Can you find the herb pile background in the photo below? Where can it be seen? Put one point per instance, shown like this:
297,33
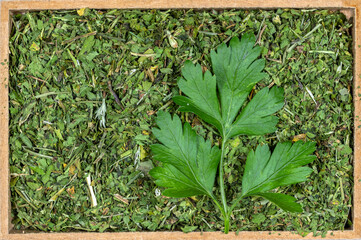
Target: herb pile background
61,64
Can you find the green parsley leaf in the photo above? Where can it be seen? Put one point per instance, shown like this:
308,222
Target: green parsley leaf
236,73
287,203
201,90
255,118
264,172
189,162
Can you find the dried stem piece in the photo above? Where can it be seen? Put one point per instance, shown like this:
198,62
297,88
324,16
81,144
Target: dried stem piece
115,95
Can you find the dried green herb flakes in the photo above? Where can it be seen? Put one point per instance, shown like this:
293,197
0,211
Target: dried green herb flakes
64,63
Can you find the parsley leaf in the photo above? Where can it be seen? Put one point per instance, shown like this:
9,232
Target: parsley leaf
236,73
286,202
255,118
264,172
201,90
190,163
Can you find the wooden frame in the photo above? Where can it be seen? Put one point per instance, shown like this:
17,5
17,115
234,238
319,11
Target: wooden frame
351,8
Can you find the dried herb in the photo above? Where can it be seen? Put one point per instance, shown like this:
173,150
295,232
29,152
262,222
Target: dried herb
56,139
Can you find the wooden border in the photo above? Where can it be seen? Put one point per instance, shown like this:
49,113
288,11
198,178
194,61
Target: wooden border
6,7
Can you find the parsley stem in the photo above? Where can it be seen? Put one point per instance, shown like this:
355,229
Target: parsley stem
235,203
221,185
217,204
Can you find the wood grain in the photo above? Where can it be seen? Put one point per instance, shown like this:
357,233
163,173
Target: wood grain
4,123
